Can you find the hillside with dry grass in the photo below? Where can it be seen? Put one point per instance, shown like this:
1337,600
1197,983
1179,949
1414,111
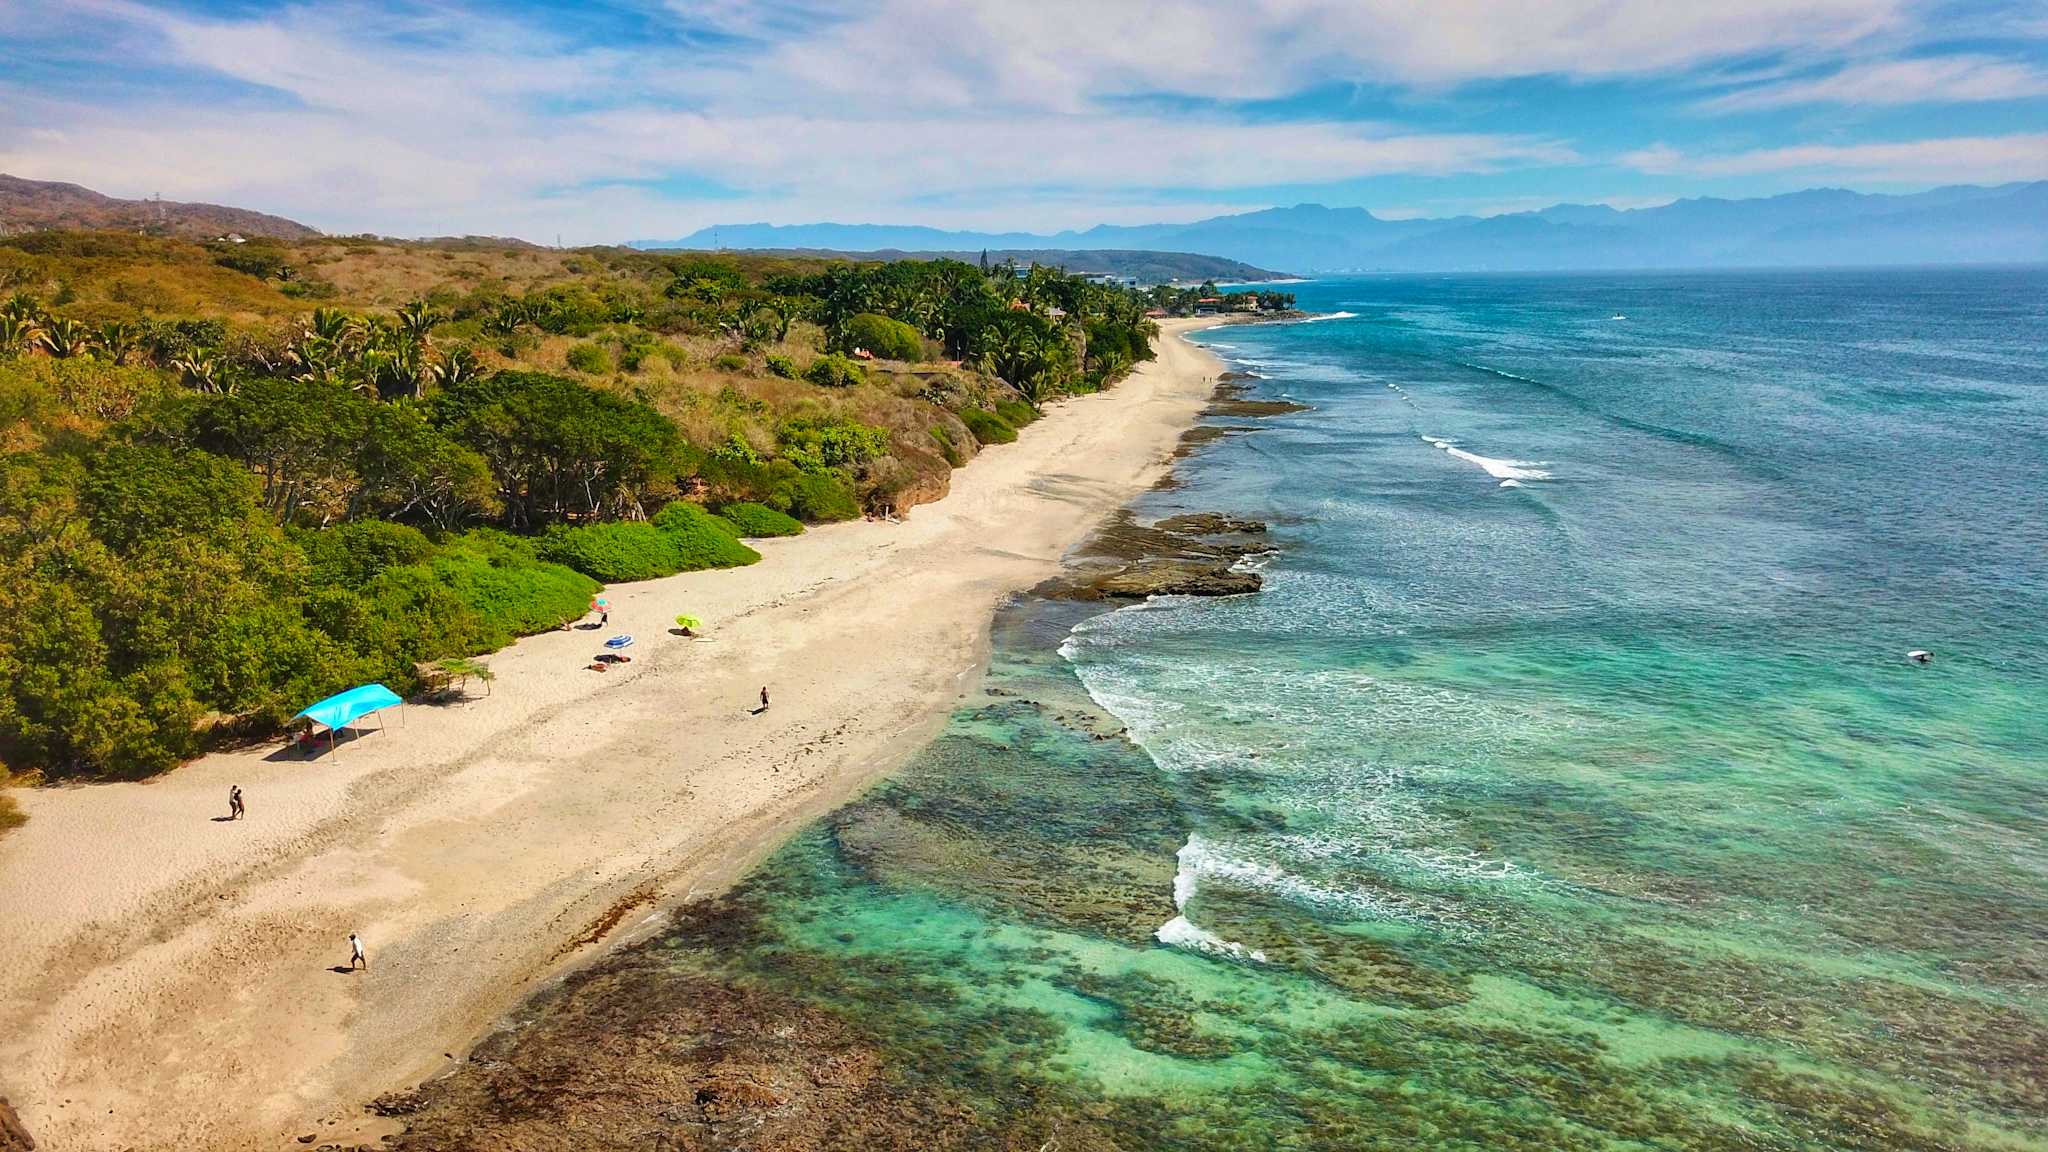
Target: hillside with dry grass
43,205
238,476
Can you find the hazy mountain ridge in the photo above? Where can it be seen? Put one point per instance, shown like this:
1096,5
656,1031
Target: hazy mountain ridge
1145,264
1955,224
43,205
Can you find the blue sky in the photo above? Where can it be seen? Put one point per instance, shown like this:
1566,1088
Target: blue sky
609,121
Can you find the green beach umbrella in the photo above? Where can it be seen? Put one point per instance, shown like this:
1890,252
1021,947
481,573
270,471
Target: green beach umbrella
688,622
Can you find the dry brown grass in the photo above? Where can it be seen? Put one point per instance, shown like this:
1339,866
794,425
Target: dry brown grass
386,275
100,277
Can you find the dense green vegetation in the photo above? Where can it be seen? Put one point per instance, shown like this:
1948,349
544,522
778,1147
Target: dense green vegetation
754,521
988,428
1172,300
219,503
889,339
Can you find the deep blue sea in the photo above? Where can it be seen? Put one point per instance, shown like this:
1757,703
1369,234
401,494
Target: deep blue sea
1567,786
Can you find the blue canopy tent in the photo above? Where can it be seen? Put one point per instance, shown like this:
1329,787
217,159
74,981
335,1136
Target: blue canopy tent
344,708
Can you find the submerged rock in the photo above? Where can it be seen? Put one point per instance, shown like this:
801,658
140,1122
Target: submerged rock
1168,578
1193,554
1211,524
1253,409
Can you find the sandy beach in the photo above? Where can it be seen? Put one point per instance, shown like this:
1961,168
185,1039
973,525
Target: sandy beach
175,980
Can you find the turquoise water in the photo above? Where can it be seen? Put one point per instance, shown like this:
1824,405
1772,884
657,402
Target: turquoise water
1566,787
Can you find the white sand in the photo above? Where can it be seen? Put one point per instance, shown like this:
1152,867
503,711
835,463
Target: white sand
164,978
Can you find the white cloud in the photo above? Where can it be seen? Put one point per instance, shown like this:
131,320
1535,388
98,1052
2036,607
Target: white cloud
358,115
443,125
1930,80
1065,55
1955,159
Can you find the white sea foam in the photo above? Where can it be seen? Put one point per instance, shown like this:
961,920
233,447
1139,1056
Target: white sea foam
1329,316
1181,933
1185,933
1511,483
1503,470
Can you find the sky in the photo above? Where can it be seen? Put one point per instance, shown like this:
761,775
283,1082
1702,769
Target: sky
599,122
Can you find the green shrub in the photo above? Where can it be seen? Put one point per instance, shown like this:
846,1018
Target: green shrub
1016,413
350,555
758,520
512,593
886,338
835,371
136,494
817,498
730,362
10,816
988,427
613,553
94,389
592,358
816,442
783,366
700,539
946,446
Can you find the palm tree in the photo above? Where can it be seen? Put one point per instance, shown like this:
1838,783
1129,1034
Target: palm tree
417,321
18,334
119,340
65,339
509,317
22,306
456,366
333,325
201,370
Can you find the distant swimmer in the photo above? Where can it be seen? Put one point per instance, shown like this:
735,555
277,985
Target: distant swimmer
1920,656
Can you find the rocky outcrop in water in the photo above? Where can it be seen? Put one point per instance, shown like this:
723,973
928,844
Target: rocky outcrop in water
636,1052
1195,554
1229,400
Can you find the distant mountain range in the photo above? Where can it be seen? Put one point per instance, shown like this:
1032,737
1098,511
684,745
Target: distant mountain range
1962,224
41,205
1150,267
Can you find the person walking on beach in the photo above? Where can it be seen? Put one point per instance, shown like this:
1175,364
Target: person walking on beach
764,698
235,809
355,953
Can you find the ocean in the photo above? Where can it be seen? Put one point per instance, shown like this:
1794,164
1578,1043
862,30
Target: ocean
1567,786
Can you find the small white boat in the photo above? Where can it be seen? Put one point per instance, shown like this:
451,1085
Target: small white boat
1617,316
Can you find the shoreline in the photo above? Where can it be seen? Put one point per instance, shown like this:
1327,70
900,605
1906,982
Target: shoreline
170,980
